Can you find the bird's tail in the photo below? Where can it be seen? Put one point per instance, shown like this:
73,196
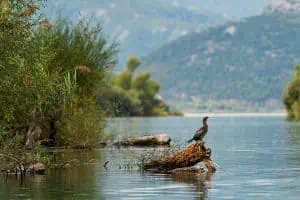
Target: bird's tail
191,140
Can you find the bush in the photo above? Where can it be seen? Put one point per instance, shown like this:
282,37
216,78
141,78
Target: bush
135,95
50,74
81,124
291,96
177,113
117,102
124,80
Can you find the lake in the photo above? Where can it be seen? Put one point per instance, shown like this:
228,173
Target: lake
258,157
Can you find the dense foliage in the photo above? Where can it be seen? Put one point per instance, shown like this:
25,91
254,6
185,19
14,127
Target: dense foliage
56,81
133,94
248,61
50,74
291,96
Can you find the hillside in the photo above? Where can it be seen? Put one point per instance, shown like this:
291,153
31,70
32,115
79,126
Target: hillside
283,6
140,27
250,61
231,9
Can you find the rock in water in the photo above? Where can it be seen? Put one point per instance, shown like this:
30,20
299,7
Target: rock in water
38,168
147,140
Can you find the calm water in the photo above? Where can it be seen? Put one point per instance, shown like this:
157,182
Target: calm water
258,158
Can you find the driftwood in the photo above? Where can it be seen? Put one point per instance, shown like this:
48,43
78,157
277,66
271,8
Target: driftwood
189,157
147,140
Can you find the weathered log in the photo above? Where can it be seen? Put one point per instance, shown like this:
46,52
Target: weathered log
192,155
146,140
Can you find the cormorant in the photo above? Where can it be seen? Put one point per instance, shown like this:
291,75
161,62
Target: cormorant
200,133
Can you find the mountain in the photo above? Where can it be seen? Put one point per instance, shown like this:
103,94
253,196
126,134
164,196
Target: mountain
140,27
231,9
250,60
283,6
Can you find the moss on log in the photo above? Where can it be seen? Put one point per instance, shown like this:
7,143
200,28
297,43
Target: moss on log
190,156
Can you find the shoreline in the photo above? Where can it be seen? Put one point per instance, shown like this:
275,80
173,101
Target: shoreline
253,114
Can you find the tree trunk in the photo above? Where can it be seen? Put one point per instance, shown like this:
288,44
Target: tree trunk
33,135
53,130
190,156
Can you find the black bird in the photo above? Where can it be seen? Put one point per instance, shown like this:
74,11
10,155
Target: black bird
200,133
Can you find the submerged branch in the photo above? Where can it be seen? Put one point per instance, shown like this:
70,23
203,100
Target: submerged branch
19,163
12,158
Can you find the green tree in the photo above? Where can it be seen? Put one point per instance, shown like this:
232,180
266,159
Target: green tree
136,94
133,63
83,51
16,21
291,96
123,80
50,74
140,81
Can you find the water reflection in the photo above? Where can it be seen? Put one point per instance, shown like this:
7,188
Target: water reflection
294,132
294,143
74,182
259,157
200,183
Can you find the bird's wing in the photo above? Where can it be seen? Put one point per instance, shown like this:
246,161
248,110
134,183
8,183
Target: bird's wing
199,132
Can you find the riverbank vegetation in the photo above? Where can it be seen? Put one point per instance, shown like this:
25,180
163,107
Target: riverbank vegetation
291,96
57,83
50,73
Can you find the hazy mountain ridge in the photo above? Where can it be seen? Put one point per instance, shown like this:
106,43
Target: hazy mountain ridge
139,26
283,6
250,60
230,9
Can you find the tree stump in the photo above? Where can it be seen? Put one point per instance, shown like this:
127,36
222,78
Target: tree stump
190,156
